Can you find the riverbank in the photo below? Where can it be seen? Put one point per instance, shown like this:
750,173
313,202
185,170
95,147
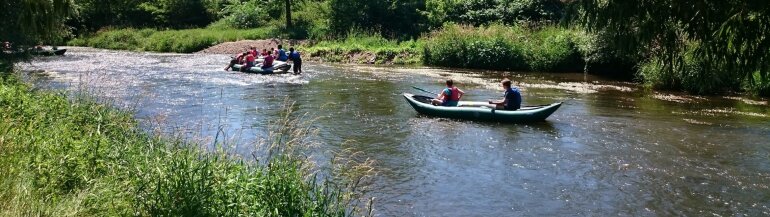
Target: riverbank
496,47
76,157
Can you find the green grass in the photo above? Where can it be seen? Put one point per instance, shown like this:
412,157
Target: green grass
379,49
179,41
61,157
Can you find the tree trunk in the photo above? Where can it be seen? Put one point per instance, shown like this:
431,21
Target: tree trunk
288,14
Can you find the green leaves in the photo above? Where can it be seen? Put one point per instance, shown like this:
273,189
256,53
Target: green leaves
730,36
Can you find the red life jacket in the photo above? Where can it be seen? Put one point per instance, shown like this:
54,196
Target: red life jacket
250,58
254,53
455,94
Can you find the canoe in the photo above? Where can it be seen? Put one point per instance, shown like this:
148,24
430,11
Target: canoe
58,52
481,111
279,67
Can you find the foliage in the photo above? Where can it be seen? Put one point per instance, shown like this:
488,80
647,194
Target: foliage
80,158
729,38
26,23
484,12
181,41
391,18
366,48
503,48
248,14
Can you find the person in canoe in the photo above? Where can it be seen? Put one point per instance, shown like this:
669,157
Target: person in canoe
296,59
450,96
264,53
281,55
238,59
249,61
511,98
253,51
268,63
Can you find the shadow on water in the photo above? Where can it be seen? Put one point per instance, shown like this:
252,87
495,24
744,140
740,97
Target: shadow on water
612,149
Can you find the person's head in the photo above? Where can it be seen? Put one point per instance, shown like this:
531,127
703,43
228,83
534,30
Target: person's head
264,50
291,49
280,46
450,83
252,48
269,52
506,83
245,53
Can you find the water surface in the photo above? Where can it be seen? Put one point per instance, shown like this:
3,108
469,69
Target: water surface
613,148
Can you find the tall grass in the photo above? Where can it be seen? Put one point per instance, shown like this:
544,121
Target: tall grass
61,157
373,47
180,41
504,48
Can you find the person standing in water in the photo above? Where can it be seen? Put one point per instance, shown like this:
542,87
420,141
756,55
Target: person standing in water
511,98
296,59
450,96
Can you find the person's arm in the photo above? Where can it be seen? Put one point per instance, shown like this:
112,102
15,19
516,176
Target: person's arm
462,93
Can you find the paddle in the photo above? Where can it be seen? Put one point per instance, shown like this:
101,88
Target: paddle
423,90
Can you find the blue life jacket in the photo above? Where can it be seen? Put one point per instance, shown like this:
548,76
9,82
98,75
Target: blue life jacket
295,56
282,55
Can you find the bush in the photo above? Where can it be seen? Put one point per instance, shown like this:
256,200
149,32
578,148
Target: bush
685,71
244,15
503,48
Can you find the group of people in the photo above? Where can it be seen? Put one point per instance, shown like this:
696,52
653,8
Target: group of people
249,58
451,96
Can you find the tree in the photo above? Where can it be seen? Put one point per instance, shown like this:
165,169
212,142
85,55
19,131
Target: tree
26,23
700,45
392,18
288,14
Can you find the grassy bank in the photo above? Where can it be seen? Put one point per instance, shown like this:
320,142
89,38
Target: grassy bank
361,48
61,157
179,41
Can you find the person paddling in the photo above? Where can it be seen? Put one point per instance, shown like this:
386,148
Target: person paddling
511,98
296,59
450,96
238,59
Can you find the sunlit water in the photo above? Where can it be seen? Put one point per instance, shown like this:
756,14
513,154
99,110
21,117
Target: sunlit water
613,148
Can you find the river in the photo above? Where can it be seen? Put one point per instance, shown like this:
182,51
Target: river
613,148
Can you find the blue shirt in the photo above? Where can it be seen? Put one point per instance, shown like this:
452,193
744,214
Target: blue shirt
512,99
282,55
294,56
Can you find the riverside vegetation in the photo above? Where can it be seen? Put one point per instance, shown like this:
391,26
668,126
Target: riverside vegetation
675,49
76,157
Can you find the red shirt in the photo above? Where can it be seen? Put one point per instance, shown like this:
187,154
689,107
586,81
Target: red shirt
268,62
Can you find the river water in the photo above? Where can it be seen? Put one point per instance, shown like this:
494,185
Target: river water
613,148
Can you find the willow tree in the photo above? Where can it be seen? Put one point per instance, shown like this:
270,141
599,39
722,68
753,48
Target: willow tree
701,45
26,23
